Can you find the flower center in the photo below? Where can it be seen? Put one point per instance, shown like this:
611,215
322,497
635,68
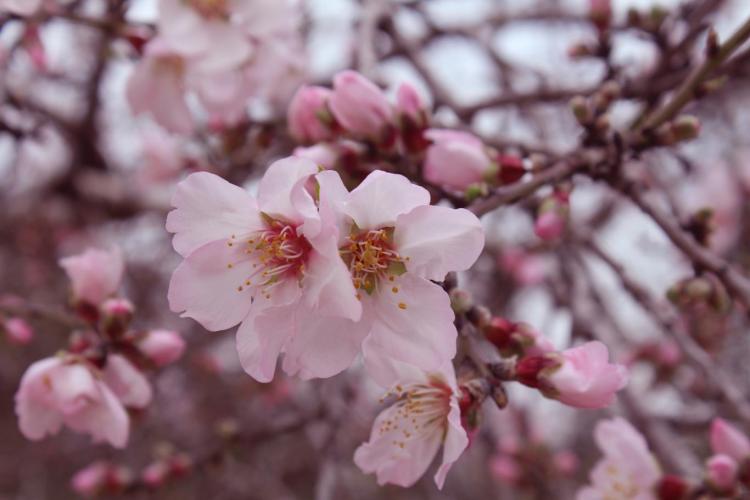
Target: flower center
277,253
621,485
210,8
371,258
421,409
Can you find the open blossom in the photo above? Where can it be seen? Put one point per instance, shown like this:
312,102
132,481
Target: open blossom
727,440
308,115
271,264
627,469
162,347
63,391
407,435
95,274
581,376
360,106
455,159
394,243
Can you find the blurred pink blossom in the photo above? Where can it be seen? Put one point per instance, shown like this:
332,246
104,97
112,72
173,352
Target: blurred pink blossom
728,440
95,274
21,7
162,347
59,390
721,472
505,468
89,481
18,331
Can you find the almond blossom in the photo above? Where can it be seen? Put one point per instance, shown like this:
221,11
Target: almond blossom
65,391
627,470
408,434
270,264
394,242
361,107
456,159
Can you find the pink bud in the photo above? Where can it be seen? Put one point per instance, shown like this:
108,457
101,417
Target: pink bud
18,331
94,274
721,472
308,115
32,42
584,377
163,347
566,462
90,480
360,106
409,103
116,315
455,159
505,468
155,474
727,440
549,226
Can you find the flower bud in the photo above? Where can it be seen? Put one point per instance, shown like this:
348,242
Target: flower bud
685,128
91,480
477,190
155,474
324,155
721,473
18,331
308,116
549,226
360,107
727,440
455,160
116,315
672,487
410,106
506,469
461,300
581,110
511,169
162,347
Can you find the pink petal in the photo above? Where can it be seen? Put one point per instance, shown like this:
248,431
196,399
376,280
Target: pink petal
105,421
261,338
455,442
382,197
438,240
275,189
728,440
208,208
127,382
208,286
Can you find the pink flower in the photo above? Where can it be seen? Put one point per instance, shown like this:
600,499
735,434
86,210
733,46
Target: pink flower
21,7
90,480
162,158
721,471
727,440
308,115
163,347
95,274
627,465
271,264
581,376
18,331
360,106
157,87
203,31
549,226
130,386
61,390
394,243
455,159
407,435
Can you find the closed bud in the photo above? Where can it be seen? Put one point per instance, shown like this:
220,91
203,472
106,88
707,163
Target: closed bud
461,301
18,331
686,127
499,396
672,487
162,347
712,43
116,315
529,369
511,169
721,473
580,108
155,474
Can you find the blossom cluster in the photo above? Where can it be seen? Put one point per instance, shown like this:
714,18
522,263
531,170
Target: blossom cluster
89,386
220,55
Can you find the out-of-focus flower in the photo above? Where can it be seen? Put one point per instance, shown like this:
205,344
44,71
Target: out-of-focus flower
407,435
721,472
549,226
566,462
272,265
162,158
157,87
91,480
360,106
21,7
395,243
18,331
525,267
155,474
727,440
95,274
60,390
505,468
627,469
581,376
456,159
308,116
162,347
